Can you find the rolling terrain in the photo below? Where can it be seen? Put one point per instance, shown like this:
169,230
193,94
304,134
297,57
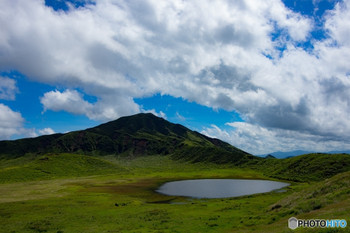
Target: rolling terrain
103,179
308,167
137,135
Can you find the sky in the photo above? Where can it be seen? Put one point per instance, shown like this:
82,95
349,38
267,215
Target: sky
264,76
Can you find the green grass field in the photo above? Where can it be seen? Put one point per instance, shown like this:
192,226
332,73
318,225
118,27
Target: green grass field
76,193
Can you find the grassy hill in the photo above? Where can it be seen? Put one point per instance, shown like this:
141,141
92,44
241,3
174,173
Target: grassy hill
133,136
309,167
103,179
53,166
145,134
318,195
111,194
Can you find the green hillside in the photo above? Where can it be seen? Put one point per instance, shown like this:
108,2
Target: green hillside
133,136
145,134
309,167
321,194
53,166
75,193
103,179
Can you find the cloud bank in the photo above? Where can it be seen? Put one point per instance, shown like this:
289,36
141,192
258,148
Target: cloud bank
8,88
244,56
10,122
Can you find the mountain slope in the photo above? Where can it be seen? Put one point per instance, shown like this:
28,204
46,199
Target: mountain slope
53,166
283,155
306,168
288,154
316,196
137,135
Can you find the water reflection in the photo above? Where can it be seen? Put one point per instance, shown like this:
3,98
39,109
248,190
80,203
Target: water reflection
218,188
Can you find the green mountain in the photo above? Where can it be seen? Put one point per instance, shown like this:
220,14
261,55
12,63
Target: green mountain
145,134
67,184
132,136
308,167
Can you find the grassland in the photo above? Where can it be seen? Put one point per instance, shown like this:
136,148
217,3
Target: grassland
76,193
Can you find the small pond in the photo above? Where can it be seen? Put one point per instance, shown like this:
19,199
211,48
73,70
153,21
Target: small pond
218,188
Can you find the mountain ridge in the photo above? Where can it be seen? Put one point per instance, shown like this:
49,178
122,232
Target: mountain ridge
137,135
294,153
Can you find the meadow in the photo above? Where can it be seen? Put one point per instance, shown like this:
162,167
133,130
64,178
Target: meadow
78,193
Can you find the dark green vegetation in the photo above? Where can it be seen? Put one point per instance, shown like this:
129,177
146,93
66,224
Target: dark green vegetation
138,135
107,180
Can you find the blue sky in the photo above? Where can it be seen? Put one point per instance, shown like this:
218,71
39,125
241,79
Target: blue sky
187,113
263,76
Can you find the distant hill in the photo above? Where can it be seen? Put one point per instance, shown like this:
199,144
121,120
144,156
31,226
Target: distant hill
138,135
308,167
288,154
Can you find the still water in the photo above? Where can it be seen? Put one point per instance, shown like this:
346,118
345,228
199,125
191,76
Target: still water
218,188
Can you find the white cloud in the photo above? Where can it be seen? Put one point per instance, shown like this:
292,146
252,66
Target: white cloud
259,140
72,101
154,112
11,123
131,48
69,100
337,23
8,88
219,54
46,131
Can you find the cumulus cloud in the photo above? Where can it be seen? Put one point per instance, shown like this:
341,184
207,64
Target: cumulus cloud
154,112
73,102
234,55
260,140
46,131
8,88
11,123
69,100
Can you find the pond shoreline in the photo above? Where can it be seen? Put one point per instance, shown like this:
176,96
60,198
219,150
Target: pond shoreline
219,188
